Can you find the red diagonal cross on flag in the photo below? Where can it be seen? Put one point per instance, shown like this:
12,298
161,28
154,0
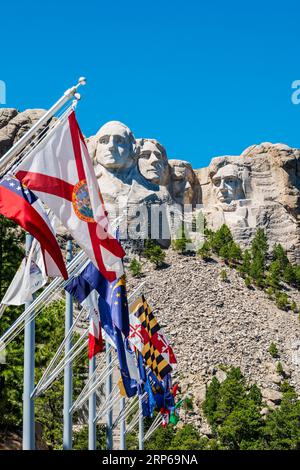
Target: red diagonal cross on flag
60,172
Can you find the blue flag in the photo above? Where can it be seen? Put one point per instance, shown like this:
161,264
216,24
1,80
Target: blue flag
114,315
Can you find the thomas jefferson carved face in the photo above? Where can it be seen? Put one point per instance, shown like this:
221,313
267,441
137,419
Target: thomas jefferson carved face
228,185
153,162
115,146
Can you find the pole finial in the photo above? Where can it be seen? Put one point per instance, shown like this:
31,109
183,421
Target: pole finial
82,80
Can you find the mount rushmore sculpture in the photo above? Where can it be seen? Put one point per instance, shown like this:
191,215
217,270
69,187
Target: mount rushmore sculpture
259,188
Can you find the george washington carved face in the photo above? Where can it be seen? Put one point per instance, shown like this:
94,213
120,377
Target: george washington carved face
115,146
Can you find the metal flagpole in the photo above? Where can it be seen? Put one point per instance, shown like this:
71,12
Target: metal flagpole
109,418
141,425
92,408
29,363
68,382
8,156
122,425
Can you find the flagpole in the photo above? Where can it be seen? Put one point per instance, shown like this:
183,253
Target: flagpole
29,363
109,417
122,425
13,151
141,425
68,382
92,408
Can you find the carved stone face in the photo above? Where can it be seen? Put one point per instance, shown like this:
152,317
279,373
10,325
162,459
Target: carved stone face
115,146
182,181
227,184
153,162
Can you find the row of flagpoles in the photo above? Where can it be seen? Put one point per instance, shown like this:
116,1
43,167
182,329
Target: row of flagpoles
57,170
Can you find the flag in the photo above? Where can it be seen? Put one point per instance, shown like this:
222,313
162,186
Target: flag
29,278
148,402
144,335
87,296
113,309
19,204
60,172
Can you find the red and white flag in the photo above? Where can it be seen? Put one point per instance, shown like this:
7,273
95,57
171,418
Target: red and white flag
60,172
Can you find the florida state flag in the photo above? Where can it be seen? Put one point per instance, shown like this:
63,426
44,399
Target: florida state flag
60,172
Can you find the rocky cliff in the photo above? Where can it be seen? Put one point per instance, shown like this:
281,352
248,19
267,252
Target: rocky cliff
258,189
213,323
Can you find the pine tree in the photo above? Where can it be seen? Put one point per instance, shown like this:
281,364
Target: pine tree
154,253
221,238
274,274
135,268
244,268
181,242
259,251
204,251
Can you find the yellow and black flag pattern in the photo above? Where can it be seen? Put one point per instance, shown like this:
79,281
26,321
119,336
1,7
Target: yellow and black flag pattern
150,327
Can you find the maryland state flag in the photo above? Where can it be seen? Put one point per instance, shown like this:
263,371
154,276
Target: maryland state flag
147,337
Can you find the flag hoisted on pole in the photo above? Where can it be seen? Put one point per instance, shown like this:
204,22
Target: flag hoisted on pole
23,207
60,172
29,217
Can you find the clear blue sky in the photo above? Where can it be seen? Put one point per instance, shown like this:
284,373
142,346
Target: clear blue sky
205,78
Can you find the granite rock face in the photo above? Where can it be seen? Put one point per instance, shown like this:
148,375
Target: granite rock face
258,189
214,324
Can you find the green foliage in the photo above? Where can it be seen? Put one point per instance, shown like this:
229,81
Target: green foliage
279,369
273,350
181,241
259,251
11,374
274,274
282,429
244,268
187,438
293,306
12,240
233,411
135,268
279,254
187,404
49,410
221,239
204,251
282,300
270,292
211,401
223,275
289,275
247,282
80,438
154,253
161,439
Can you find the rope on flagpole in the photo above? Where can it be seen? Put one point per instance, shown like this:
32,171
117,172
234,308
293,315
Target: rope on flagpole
59,350
157,422
97,383
90,379
70,357
74,268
